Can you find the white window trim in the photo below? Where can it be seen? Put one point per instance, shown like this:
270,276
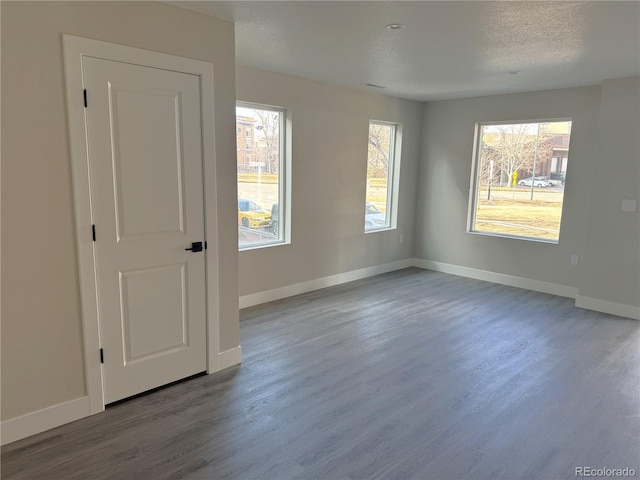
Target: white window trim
284,184
473,184
393,181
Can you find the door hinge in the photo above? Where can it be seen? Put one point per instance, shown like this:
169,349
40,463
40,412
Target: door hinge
205,244
93,232
84,92
101,355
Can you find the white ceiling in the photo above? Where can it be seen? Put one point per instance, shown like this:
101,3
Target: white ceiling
448,49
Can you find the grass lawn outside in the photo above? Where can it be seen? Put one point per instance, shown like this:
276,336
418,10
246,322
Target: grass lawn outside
379,199
248,185
253,178
524,218
377,193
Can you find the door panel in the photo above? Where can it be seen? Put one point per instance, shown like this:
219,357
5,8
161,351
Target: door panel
139,156
164,316
145,163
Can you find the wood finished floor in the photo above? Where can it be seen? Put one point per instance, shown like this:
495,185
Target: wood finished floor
412,374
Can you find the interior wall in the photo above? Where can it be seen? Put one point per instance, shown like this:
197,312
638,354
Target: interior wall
610,269
444,184
329,154
42,354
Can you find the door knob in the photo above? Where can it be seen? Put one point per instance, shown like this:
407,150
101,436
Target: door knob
195,247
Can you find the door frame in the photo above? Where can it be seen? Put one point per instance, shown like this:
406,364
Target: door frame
75,48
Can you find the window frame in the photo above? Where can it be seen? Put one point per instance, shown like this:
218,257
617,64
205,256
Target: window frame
474,184
395,148
284,177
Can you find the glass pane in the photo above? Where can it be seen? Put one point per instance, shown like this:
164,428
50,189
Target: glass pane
259,143
379,168
521,171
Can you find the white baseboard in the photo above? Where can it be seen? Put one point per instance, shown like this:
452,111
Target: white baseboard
487,276
318,283
604,306
621,310
41,420
588,303
230,357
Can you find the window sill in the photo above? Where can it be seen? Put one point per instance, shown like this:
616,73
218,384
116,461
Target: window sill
376,230
261,245
514,237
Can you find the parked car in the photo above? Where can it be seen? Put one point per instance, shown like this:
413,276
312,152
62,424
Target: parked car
553,182
252,215
275,219
373,218
537,182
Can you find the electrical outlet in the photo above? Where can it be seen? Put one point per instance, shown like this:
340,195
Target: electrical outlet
574,259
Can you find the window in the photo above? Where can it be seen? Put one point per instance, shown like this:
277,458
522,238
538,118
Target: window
518,179
380,176
261,176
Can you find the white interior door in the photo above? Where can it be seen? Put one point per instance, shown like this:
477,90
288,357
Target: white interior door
145,163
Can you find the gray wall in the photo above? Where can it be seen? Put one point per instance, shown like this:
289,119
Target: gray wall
603,169
610,269
42,353
329,154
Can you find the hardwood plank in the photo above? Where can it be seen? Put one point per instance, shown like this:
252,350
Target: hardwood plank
411,374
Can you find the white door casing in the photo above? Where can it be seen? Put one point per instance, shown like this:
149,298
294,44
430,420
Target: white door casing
132,235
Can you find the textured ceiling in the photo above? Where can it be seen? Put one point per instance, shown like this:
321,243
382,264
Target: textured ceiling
447,50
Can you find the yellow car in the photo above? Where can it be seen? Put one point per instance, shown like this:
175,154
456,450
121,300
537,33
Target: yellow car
252,215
